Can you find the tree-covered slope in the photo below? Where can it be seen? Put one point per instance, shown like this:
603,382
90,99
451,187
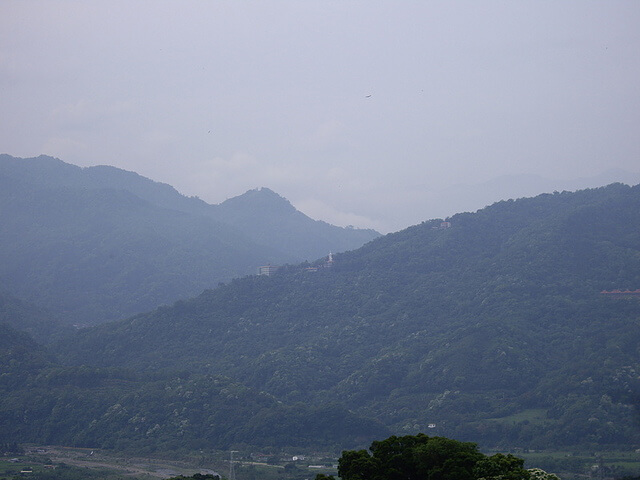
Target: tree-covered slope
44,402
492,330
23,316
20,356
99,243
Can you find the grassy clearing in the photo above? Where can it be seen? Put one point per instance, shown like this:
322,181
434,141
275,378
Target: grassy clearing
33,468
577,465
9,469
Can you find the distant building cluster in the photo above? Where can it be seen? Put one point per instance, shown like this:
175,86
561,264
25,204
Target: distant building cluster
621,293
442,226
269,270
328,263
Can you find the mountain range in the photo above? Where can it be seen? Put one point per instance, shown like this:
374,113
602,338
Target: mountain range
489,327
99,243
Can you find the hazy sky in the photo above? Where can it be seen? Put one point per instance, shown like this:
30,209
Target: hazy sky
358,112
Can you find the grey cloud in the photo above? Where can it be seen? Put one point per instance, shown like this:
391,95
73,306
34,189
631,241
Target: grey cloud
460,93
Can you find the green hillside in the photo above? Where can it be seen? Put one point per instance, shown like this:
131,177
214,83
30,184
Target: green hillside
491,330
44,402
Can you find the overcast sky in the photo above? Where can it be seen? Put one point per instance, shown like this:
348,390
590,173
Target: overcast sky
371,113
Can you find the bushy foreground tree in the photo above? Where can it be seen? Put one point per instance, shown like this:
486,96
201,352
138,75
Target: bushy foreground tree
420,457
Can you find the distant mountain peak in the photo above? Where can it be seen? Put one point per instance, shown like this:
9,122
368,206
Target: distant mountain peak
265,190
260,198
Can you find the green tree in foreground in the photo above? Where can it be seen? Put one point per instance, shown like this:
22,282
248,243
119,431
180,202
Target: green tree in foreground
419,457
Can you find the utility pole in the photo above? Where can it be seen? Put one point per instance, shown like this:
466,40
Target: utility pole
232,471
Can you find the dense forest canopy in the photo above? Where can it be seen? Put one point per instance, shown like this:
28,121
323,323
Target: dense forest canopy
489,327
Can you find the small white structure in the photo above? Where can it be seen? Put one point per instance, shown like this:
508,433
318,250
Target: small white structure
267,270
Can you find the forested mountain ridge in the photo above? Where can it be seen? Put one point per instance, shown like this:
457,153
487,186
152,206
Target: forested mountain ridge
100,243
489,328
44,402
